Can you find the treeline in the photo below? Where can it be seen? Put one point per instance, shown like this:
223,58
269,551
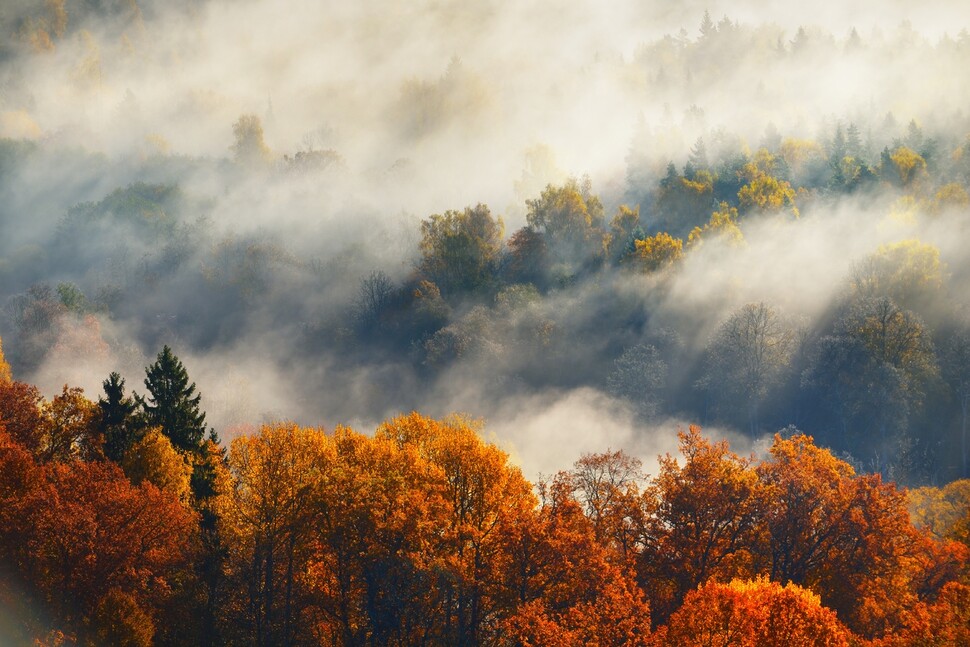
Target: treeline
577,297
122,524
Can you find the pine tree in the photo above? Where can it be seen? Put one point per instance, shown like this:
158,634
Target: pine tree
118,426
173,403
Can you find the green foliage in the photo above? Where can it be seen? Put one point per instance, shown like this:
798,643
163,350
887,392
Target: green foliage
460,249
172,403
118,426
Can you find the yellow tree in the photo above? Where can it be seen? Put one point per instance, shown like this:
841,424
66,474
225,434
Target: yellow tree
5,373
658,252
487,497
154,459
268,516
68,427
723,227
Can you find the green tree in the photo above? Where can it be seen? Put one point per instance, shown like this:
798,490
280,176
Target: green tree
459,249
173,403
118,426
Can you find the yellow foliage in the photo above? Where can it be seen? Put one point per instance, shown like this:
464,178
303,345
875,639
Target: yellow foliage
942,511
767,193
722,226
5,375
950,196
903,271
658,251
155,459
908,165
798,152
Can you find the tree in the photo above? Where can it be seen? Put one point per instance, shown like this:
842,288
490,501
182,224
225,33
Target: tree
748,355
248,148
874,372
460,249
704,522
609,489
955,369
69,427
5,373
658,252
172,403
374,296
487,497
118,426
755,613
269,516
640,376
624,230
570,218
903,167
908,272
154,459
723,227
20,414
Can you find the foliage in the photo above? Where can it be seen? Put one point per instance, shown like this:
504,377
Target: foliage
755,613
172,403
460,249
657,252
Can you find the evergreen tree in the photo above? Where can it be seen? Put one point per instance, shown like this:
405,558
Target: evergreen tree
173,403
118,425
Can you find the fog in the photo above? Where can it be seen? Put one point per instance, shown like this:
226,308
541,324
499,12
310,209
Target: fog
251,268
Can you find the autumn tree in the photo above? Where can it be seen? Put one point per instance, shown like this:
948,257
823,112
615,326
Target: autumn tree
903,167
755,613
722,227
5,373
704,521
764,191
566,585
909,272
460,249
68,427
487,497
155,460
624,232
657,252
684,202
20,414
87,537
269,517
570,219
609,486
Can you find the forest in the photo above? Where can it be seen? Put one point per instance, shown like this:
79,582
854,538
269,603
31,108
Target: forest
507,325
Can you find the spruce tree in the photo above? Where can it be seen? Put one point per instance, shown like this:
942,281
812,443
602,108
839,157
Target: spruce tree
172,403
118,426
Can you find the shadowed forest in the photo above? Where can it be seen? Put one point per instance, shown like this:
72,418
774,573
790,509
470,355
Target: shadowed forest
679,293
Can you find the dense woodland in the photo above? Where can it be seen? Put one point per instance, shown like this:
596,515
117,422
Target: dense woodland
122,522
741,231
